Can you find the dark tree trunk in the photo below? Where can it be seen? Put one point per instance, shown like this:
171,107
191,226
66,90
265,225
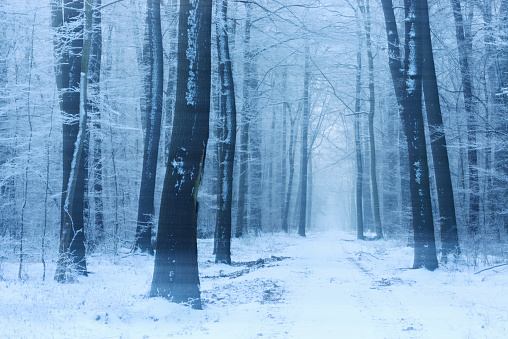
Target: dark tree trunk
395,64
501,154
169,103
153,61
176,264
305,145
394,57
446,202
227,140
423,225
471,112
95,113
72,237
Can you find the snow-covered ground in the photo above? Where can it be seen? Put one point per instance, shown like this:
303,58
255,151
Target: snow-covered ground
327,285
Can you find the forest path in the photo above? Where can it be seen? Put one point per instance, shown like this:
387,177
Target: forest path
337,287
323,290
333,294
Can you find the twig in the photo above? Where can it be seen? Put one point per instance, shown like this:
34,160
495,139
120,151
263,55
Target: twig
489,268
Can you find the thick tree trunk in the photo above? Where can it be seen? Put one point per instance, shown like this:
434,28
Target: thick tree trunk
153,60
227,140
423,225
176,266
72,238
446,202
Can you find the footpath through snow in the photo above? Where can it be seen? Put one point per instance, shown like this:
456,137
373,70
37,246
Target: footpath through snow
327,285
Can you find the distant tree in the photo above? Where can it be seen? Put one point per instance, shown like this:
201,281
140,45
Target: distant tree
305,145
175,274
153,92
365,8
227,139
358,142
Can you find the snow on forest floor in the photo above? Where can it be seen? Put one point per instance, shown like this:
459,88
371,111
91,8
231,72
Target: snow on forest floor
327,285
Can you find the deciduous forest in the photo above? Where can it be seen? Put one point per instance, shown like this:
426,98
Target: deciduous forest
247,168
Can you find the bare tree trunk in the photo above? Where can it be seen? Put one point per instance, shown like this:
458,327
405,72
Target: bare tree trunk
243,187
227,140
72,238
153,60
175,274
305,146
471,112
358,143
372,141
446,201
423,225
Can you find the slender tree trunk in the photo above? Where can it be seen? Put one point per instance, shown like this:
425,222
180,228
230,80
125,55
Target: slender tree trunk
243,187
446,202
227,139
153,60
305,145
291,151
358,143
283,164
176,266
501,154
172,13
471,112
95,113
372,141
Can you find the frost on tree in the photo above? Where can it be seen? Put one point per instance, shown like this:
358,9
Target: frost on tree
153,84
176,268
68,48
423,224
227,140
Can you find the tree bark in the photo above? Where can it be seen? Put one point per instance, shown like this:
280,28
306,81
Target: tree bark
471,112
72,239
153,60
243,187
446,201
358,143
372,141
305,145
423,225
176,266
227,140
